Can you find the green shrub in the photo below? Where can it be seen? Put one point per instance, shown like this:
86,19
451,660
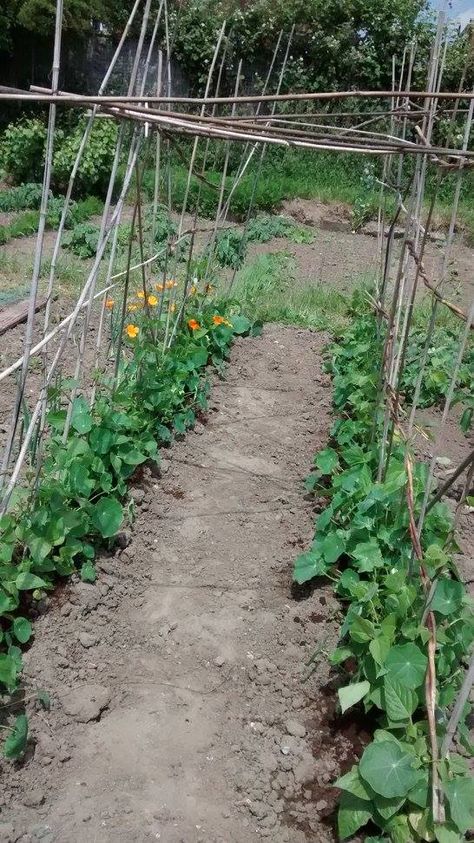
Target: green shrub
230,248
77,213
264,228
24,224
22,150
96,162
85,208
164,225
22,197
83,240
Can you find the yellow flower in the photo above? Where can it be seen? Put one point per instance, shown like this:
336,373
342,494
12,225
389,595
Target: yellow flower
109,303
193,325
152,301
193,290
172,307
132,307
132,331
140,294
159,287
170,284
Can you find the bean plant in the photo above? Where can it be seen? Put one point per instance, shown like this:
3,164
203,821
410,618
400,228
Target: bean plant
362,544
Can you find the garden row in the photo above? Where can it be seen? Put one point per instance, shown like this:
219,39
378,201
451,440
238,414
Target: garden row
81,502
25,223
363,545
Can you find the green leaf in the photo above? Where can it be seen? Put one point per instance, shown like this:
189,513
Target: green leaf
347,581
107,516
22,630
379,649
199,357
399,830
339,655
388,769
8,671
352,694
333,546
444,834
240,324
419,794
324,519
26,581
400,702
422,823
460,795
307,566
88,572
39,548
353,814
44,698
448,597
388,807
327,461
362,630
407,664
81,419
352,783
163,433
7,603
101,439
367,556
15,744
79,479
133,457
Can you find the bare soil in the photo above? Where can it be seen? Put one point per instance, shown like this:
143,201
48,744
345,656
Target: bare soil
337,256
178,707
179,710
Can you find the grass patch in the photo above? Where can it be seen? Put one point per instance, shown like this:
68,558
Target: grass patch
326,177
266,288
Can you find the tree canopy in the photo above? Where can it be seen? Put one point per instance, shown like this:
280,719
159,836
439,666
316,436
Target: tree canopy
336,43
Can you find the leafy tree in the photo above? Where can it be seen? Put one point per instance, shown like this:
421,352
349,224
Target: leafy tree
7,20
39,15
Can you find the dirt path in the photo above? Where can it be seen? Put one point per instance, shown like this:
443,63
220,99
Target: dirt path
178,712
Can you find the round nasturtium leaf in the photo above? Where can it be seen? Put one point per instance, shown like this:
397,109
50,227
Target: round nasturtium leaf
407,664
447,597
388,769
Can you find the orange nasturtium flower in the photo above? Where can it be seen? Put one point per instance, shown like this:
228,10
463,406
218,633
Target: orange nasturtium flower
132,331
193,325
219,320
159,287
152,301
140,294
170,284
109,303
